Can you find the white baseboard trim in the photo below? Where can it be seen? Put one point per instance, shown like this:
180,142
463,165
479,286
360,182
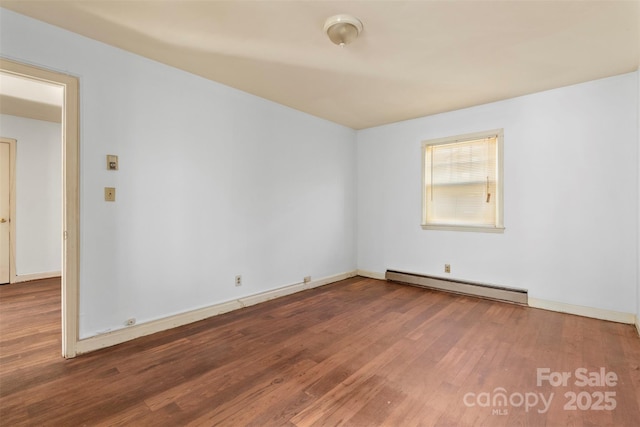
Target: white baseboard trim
36,276
371,274
129,333
638,325
596,313
291,289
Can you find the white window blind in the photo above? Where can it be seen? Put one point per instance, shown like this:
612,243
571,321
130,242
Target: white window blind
461,183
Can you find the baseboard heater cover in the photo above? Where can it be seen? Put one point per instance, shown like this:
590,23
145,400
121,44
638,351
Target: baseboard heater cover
501,293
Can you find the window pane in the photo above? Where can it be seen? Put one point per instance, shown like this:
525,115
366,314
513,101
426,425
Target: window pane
461,183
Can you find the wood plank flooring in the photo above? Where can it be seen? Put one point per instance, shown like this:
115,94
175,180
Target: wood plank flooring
360,352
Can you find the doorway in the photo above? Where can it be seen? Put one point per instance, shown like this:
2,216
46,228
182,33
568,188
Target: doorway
70,193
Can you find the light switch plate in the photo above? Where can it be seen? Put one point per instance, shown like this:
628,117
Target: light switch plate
109,194
112,162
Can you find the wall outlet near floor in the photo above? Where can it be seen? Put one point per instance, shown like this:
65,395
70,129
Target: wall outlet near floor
307,279
447,268
130,322
238,280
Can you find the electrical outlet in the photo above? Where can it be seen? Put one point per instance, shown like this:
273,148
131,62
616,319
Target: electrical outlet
238,280
109,194
447,268
307,279
130,322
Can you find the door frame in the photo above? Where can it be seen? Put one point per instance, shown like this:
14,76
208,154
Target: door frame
12,207
70,194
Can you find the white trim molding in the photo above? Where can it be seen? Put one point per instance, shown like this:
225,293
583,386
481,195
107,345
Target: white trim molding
595,313
132,332
371,274
36,276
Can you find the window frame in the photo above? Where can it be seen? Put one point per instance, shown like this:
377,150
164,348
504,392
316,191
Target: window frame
498,226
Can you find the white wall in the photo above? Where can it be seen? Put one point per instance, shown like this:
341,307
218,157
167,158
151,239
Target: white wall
571,197
38,193
213,182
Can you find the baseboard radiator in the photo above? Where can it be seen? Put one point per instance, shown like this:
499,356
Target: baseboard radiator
500,293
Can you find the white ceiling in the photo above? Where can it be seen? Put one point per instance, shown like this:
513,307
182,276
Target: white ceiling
31,90
30,98
414,58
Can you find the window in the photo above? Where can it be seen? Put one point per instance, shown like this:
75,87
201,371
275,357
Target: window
462,182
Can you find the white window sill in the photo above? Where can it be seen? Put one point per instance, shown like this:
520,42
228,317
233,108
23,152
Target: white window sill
451,227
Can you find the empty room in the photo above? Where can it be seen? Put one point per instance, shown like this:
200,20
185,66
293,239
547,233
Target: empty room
319,213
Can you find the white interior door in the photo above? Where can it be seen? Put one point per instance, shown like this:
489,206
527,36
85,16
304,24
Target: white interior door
5,187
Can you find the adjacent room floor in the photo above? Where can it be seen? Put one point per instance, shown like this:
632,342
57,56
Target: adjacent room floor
359,352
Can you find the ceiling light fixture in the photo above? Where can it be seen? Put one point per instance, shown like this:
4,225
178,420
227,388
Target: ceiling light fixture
342,29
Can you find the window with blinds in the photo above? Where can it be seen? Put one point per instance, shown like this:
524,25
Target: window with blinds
462,185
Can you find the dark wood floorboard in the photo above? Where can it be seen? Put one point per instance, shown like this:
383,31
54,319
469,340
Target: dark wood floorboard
360,352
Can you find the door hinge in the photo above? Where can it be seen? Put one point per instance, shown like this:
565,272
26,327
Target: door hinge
66,235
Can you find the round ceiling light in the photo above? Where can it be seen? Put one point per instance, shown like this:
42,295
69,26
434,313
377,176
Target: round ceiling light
342,29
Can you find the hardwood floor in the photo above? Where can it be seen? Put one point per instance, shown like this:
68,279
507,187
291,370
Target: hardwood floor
360,352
